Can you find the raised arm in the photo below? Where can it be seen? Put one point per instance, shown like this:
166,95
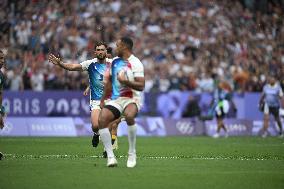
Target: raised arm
67,66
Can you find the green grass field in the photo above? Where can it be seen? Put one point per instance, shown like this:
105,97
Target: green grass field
169,162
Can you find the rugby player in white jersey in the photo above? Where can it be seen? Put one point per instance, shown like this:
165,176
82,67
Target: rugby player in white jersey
123,99
270,103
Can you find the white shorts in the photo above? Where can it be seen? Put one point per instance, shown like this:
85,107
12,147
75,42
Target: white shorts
95,105
138,102
271,110
225,105
266,109
122,102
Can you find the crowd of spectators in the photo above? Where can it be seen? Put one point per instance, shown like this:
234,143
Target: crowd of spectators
183,44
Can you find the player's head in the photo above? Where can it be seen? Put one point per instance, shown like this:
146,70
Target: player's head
109,52
271,78
2,59
124,44
224,85
101,50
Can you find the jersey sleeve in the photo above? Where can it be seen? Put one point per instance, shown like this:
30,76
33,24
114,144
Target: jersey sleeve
138,68
85,64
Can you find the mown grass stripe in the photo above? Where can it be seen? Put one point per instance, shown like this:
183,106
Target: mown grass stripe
75,156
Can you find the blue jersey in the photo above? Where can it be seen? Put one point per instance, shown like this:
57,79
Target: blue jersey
97,72
119,90
272,95
221,94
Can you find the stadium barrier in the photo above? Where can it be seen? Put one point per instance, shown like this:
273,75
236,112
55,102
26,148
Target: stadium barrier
167,105
146,126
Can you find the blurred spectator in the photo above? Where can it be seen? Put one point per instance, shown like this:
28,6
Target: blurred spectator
37,80
184,45
205,83
192,108
16,81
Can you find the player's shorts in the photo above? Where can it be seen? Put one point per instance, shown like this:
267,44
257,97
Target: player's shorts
138,102
122,102
222,108
95,104
271,110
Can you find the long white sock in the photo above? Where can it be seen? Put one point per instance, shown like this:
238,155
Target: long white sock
106,139
132,138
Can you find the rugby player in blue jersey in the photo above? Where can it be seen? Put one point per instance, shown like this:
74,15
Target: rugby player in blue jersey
97,70
113,127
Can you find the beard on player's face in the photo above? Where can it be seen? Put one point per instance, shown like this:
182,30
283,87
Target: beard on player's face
101,56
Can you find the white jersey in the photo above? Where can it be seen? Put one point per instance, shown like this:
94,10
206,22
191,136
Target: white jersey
123,95
273,93
138,71
87,63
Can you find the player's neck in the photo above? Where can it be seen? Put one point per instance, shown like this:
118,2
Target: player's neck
101,61
126,55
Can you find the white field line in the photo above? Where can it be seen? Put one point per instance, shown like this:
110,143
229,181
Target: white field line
69,156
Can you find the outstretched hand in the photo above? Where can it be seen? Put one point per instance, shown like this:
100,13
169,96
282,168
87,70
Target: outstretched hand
86,92
53,59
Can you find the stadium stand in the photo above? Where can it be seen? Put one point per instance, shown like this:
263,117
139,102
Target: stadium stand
184,45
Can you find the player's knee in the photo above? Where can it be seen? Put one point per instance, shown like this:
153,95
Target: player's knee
95,123
95,126
130,119
95,129
129,115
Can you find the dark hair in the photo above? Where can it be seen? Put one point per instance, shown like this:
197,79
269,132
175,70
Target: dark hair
109,50
99,43
127,42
